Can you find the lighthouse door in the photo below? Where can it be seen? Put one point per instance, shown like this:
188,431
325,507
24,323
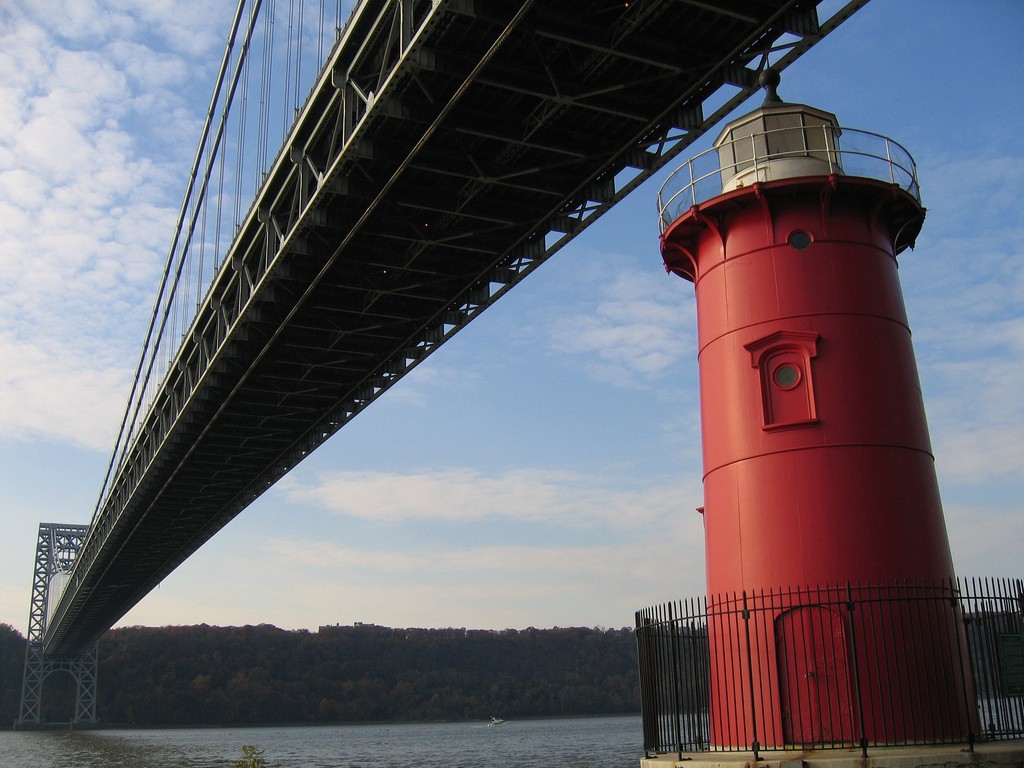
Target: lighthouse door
814,688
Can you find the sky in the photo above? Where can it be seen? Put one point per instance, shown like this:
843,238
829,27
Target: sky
542,468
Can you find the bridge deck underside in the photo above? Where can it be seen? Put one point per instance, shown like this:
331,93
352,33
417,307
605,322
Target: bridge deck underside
506,122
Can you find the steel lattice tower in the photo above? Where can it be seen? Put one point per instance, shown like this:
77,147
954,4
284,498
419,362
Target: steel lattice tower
56,549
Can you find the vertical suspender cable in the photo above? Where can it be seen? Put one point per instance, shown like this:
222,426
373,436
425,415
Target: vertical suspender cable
287,70
135,398
265,86
202,260
241,115
221,172
174,246
320,37
216,145
298,60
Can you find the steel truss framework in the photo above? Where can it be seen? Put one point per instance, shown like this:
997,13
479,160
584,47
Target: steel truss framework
447,149
56,550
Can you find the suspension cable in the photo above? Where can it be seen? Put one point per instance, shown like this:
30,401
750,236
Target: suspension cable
174,245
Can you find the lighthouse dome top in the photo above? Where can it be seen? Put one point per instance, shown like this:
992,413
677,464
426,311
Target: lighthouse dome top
776,141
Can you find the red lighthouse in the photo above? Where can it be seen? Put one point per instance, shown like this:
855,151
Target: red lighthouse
818,471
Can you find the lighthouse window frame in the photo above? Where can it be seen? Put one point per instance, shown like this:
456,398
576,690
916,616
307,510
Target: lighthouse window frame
782,362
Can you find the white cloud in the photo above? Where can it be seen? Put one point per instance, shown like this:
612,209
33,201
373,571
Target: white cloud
986,539
488,564
88,198
310,582
52,390
521,495
301,579
965,288
978,420
641,325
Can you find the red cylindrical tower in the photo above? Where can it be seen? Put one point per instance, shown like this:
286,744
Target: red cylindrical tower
818,468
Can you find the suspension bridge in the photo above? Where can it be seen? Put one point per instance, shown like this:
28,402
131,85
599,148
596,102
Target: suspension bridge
427,156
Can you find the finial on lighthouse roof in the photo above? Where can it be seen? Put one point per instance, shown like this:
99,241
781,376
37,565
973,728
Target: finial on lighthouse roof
769,79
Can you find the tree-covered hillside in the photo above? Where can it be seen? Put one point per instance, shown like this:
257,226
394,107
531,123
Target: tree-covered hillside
262,674
12,662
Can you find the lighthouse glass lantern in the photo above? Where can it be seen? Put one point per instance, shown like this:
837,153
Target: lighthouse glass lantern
776,141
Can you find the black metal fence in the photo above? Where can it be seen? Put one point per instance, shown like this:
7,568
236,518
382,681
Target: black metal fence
902,663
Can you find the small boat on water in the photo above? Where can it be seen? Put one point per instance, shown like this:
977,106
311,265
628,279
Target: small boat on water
495,721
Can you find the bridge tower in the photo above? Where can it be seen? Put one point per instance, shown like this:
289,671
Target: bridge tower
56,549
818,470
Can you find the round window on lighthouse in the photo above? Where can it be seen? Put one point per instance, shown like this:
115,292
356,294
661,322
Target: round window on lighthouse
786,376
800,239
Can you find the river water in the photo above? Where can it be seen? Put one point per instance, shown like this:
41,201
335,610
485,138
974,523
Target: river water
600,742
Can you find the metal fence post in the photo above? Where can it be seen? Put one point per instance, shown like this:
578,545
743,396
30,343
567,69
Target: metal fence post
754,746
961,629
858,698
673,637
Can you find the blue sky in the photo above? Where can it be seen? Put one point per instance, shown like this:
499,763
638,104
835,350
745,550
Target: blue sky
543,468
